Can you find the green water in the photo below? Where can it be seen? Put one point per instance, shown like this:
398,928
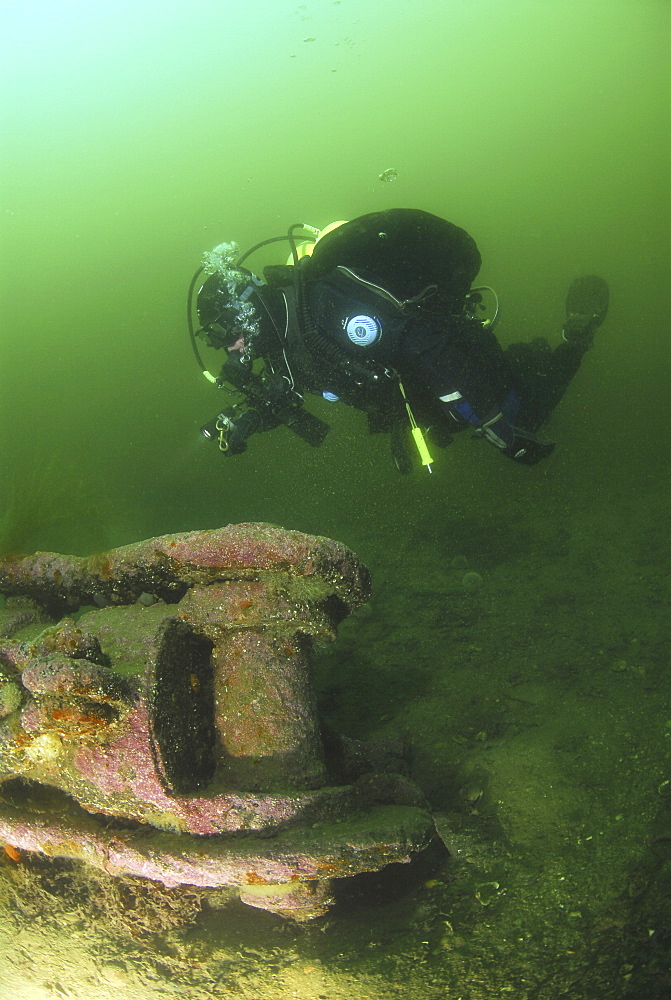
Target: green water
136,136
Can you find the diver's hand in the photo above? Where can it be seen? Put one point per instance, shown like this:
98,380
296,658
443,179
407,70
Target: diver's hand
527,449
514,442
245,425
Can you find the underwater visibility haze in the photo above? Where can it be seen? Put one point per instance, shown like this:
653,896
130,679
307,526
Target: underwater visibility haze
517,638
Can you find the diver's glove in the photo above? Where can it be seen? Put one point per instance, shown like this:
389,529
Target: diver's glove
527,449
520,445
245,425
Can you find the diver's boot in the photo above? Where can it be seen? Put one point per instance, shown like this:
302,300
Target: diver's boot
586,308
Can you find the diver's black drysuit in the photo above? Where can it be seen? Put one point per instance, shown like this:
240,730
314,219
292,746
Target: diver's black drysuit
383,300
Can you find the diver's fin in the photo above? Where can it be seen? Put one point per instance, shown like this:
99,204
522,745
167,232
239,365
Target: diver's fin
586,309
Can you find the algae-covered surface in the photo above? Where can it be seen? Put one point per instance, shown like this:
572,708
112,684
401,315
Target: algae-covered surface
536,710
517,637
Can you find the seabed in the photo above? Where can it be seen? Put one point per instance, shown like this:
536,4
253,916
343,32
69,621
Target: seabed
536,706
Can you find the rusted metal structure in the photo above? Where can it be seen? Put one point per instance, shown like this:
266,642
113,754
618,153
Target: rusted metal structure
164,690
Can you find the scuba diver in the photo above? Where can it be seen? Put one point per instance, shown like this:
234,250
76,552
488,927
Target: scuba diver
381,314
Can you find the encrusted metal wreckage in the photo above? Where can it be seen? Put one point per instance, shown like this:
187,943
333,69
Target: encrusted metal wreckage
158,718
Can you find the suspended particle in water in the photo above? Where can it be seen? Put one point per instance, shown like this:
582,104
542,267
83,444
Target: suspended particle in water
390,174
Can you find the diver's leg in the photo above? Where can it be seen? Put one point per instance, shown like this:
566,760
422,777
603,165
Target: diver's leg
562,365
541,376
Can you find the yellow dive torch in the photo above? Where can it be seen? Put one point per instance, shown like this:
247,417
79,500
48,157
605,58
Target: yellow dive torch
417,435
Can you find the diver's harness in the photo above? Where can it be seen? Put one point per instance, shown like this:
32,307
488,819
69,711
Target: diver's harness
269,398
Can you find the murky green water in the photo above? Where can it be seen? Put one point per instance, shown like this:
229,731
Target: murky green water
136,136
